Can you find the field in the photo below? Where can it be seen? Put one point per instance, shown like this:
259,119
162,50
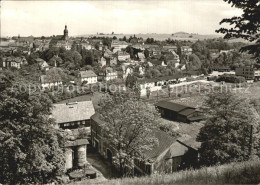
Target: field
234,173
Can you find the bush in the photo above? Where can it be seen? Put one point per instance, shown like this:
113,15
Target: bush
231,79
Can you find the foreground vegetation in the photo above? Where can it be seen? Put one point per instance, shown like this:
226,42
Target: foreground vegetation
233,173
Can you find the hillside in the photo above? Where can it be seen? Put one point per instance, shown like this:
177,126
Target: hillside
234,173
161,37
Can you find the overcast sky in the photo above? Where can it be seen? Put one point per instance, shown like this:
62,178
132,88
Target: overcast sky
47,18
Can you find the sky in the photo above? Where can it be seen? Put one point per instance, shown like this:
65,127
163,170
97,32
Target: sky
46,18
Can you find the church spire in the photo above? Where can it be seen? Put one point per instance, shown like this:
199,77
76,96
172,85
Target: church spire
66,33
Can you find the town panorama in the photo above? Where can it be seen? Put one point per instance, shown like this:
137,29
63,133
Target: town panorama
111,106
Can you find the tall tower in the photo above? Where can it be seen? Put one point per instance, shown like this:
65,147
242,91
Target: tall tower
66,33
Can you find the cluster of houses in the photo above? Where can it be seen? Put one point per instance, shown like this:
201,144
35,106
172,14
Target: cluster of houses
248,72
84,129
15,62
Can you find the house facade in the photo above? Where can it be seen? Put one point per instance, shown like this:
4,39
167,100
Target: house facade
43,65
88,77
247,71
73,115
110,74
178,112
118,45
15,62
48,83
168,156
74,118
123,56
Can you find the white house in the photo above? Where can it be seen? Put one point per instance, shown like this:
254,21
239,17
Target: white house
102,62
48,83
16,62
118,45
123,56
127,70
43,65
87,76
110,74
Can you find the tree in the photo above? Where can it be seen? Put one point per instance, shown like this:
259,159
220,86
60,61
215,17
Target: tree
30,147
130,50
225,135
148,92
114,38
55,75
128,127
246,26
146,53
130,81
194,62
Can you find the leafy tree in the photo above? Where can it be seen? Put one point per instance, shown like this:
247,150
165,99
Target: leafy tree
55,61
124,38
194,62
148,92
57,75
179,50
130,81
30,147
226,133
128,127
48,54
114,38
32,57
246,26
130,50
146,53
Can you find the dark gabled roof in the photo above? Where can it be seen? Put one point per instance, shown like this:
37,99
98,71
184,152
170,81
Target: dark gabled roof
87,74
96,118
187,111
197,118
172,106
164,143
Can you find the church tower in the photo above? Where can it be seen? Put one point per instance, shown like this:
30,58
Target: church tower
66,33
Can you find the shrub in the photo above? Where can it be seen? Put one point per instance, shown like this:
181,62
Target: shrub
230,79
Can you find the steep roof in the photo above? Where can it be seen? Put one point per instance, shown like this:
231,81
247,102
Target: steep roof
187,111
164,142
69,112
87,74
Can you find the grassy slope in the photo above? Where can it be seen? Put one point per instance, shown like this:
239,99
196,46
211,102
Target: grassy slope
234,173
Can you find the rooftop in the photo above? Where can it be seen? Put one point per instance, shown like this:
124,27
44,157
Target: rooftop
87,74
173,106
69,112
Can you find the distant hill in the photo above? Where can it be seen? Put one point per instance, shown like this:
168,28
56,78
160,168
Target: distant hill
183,33
175,36
161,37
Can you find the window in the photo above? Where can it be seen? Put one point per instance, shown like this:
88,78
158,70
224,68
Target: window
148,168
